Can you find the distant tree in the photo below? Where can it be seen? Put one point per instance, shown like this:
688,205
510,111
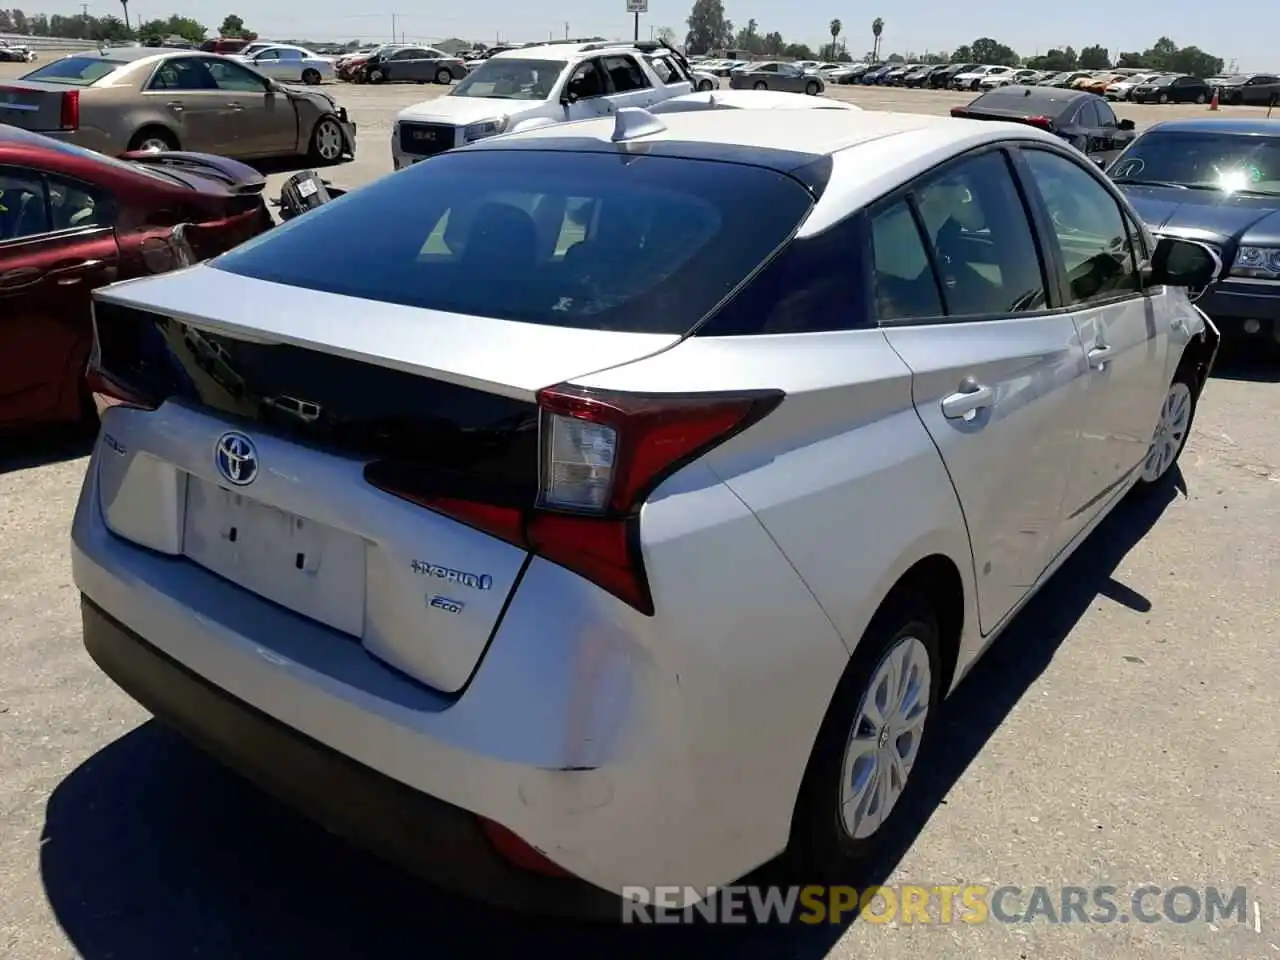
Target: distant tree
708,28
798,51
1131,60
232,26
877,28
1164,54
986,50
835,27
774,44
962,54
1056,60
1095,58
666,35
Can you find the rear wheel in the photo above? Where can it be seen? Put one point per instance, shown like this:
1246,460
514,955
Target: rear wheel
153,140
327,141
811,88
377,76
704,86
443,76
1163,98
869,741
1200,98
310,77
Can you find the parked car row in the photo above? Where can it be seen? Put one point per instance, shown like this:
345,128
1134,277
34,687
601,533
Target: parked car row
16,52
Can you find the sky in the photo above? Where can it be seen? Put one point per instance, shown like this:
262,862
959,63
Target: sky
1027,27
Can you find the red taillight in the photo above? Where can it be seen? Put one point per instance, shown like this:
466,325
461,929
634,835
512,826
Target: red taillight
519,853
70,119
958,112
601,455
1043,122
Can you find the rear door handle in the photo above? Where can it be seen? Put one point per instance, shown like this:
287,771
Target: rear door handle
73,273
1099,356
968,400
20,277
235,106
175,106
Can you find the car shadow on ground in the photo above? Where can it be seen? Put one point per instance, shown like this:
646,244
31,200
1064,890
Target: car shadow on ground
45,446
151,851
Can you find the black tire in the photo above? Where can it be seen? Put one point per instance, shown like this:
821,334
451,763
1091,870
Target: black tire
821,849
320,147
705,86
811,88
1163,98
311,77
1185,380
154,134
1200,98
377,76
760,85
444,77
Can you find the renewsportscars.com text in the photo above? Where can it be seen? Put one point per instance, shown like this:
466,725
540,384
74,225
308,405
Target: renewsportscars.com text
940,904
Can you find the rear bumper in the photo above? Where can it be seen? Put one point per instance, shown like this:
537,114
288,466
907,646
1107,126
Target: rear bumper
428,836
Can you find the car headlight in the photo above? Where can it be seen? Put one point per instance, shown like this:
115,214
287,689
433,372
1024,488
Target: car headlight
484,128
1262,263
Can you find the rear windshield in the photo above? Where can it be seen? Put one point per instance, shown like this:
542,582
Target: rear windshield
591,240
77,71
1024,100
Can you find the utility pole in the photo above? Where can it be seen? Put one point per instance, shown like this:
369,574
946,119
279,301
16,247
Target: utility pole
637,35
393,28
84,10
566,29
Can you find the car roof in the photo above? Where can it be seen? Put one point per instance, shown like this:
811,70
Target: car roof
1259,127
129,54
564,51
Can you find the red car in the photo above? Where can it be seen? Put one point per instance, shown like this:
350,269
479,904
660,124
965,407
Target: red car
72,220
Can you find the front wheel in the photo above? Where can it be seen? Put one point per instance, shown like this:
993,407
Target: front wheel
704,86
1200,98
377,76
1163,98
311,77
869,740
444,77
760,85
1172,429
811,88
327,141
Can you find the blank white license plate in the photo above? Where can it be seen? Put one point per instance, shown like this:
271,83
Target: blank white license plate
315,570
306,188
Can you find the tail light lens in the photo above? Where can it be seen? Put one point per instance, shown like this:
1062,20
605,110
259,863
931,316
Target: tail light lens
601,455
70,119
518,852
1043,122
958,112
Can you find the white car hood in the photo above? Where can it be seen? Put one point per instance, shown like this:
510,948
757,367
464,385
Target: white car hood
461,110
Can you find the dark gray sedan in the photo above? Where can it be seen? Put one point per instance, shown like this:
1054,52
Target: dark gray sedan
773,75
414,65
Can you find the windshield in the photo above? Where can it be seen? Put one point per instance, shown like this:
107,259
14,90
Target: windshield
1204,161
506,78
77,71
549,237
1235,81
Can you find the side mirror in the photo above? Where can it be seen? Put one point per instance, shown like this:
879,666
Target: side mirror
1126,125
1184,263
1099,162
568,98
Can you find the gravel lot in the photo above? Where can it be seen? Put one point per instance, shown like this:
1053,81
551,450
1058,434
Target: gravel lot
1123,732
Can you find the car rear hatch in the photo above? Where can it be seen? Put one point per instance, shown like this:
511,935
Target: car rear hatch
347,415
39,106
198,169
377,397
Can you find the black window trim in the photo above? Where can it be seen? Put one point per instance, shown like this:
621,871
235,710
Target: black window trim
609,77
1050,271
1127,218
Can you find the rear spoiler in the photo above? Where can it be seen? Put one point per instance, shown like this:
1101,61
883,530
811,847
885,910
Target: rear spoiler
241,178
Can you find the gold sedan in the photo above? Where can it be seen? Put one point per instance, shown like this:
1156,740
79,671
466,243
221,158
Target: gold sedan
140,98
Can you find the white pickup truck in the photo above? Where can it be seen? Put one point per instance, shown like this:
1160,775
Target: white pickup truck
534,86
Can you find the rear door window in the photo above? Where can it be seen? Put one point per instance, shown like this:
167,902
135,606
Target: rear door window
903,281
625,74
24,204
557,238
977,229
